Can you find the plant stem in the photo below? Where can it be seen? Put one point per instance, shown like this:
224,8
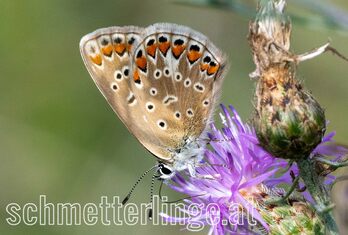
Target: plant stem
319,193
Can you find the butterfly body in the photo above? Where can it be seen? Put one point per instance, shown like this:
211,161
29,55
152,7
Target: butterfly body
162,81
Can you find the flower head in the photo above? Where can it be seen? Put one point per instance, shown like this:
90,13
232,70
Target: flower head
237,177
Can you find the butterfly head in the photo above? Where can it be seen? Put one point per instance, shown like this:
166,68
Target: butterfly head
165,171
185,157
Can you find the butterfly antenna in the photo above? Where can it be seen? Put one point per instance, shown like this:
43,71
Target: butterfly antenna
160,191
125,200
151,195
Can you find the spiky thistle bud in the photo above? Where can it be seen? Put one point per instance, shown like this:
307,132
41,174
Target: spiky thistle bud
289,122
293,216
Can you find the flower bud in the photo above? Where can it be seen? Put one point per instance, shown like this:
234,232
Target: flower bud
289,122
294,216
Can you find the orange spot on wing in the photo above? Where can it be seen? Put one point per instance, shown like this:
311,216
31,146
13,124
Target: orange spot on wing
136,76
204,67
107,50
212,69
96,59
193,56
120,48
164,46
141,63
151,50
177,50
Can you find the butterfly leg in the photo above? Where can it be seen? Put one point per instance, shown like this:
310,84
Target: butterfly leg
194,174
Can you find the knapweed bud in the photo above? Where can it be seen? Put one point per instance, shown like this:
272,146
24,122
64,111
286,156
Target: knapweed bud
294,216
289,122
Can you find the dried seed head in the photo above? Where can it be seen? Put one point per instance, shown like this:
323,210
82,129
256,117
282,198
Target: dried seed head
269,36
289,122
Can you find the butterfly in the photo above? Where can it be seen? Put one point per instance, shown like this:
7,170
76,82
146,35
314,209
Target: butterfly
163,82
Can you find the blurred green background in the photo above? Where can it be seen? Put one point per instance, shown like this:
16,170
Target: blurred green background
59,137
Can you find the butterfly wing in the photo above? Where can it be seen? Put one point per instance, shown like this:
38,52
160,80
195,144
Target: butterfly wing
163,81
177,76
107,53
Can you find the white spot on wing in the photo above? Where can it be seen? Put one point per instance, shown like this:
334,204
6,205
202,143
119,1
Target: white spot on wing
189,113
125,71
114,86
177,115
177,76
162,124
166,72
118,75
131,99
187,82
205,102
169,99
157,74
199,87
153,91
150,107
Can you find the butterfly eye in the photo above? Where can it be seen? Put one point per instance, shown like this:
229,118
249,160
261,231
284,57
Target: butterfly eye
165,171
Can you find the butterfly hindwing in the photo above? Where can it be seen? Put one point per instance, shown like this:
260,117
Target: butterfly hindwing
176,79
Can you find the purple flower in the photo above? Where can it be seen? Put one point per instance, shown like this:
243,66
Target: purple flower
236,170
